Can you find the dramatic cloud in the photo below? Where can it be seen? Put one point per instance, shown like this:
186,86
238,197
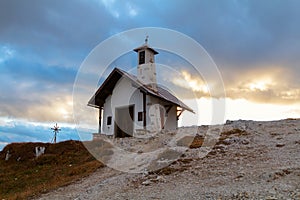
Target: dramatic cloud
35,91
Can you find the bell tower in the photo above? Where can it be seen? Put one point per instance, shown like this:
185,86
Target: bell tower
146,70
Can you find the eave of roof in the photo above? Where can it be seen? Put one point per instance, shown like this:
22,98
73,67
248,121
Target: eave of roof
145,46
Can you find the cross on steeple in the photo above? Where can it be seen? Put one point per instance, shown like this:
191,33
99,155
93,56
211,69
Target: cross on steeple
146,40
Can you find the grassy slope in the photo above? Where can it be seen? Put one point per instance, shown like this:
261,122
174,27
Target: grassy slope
61,164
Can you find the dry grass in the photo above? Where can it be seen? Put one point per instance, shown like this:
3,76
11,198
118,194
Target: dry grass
23,176
197,142
227,134
191,141
292,118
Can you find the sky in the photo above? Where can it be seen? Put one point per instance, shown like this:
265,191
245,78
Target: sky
255,45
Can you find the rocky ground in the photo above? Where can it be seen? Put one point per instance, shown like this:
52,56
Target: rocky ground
250,160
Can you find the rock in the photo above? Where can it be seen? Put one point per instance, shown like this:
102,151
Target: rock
228,122
280,145
7,156
39,151
243,127
89,191
245,142
140,151
145,172
227,141
146,182
271,198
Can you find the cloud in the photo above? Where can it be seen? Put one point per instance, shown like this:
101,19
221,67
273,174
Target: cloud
23,70
52,31
48,108
35,91
272,84
186,80
263,84
5,53
242,32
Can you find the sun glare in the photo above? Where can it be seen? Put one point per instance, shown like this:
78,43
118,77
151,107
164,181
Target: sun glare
70,103
63,112
236,109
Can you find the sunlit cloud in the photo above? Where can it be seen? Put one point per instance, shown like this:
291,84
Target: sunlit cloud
48,109
264,85
186,80
291,94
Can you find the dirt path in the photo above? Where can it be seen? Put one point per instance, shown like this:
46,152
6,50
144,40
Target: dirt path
261,163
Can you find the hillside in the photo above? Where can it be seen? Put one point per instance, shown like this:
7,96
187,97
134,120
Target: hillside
23,175
251,160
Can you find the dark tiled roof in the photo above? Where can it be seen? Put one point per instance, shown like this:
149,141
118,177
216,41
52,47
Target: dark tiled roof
108,85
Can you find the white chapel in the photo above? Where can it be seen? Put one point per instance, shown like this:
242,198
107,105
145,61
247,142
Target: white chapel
132,105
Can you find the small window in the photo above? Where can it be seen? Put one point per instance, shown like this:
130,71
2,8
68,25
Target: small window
108,120
140,116
141,57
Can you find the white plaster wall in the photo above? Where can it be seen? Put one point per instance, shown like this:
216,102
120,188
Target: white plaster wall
107,111
149,56
137,99
171,121
124,94
147,74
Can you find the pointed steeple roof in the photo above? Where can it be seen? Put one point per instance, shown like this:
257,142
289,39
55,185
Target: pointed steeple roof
145,46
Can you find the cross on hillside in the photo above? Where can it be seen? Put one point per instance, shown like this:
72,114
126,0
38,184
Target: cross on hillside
55,129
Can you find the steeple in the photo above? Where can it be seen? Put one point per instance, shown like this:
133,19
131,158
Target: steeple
146,70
